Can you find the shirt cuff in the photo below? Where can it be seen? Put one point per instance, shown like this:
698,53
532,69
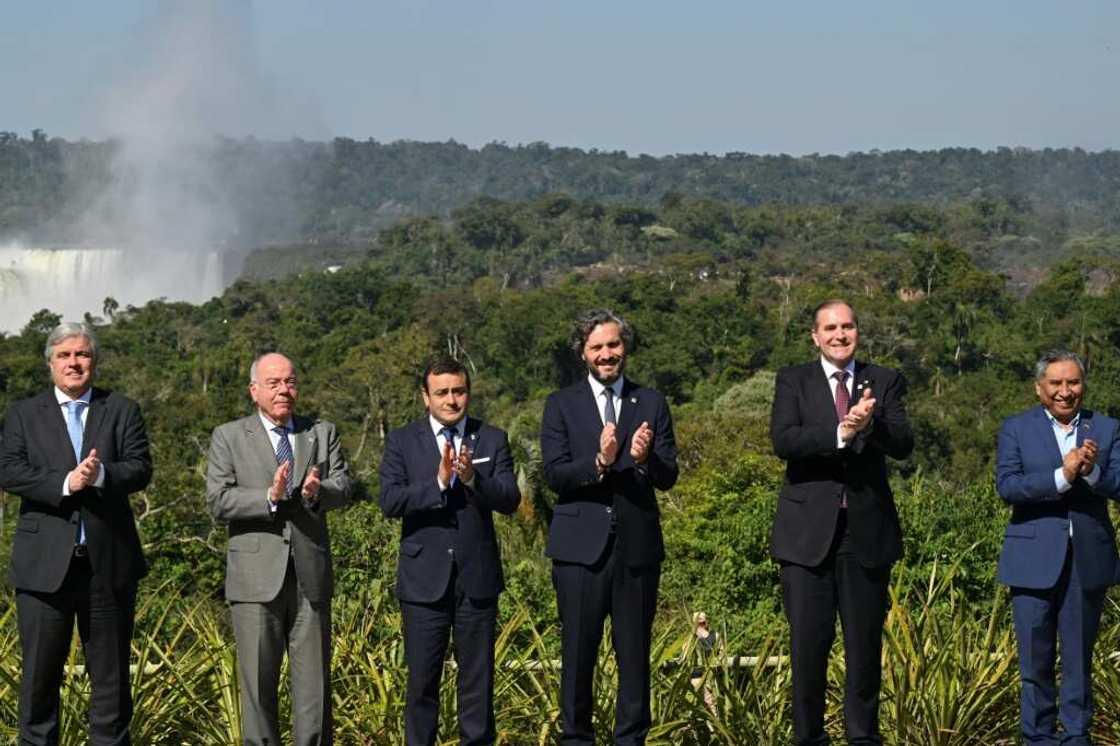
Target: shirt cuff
1094,476
1060,482
442,486
66,484
840,442
100,481
271,505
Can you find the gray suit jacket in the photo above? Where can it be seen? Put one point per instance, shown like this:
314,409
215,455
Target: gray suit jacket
238,476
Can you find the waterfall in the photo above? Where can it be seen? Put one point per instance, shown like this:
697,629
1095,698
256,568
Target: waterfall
74,281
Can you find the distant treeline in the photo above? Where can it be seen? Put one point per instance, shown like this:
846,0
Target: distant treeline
348,190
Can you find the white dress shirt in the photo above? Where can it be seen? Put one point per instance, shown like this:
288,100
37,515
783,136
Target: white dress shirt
597,388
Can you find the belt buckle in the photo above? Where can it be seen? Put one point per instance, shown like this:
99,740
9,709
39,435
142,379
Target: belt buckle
81,551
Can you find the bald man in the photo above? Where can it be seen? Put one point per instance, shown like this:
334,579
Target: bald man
272,476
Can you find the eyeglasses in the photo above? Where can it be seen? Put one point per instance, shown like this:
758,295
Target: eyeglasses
275,384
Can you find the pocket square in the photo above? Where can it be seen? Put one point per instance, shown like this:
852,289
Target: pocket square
482,460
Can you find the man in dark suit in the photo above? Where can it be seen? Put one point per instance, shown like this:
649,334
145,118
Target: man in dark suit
74,454
272,476
607,444
836,532
1057,465
444,475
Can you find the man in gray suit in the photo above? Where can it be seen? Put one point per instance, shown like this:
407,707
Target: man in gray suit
272,476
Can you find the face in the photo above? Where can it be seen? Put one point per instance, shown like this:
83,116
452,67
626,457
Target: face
446,397
835,334
275,391
605,353
1061,389
72,366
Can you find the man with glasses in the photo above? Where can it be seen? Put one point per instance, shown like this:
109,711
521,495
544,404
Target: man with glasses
272,476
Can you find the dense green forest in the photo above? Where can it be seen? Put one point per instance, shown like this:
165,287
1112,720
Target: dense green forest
720,292
344,192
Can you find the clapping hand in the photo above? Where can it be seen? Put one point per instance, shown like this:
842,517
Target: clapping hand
639,445
85,473
859,416
279,489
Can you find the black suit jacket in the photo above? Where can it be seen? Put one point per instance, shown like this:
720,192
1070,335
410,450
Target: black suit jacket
35,458
803,426
570,432
440,530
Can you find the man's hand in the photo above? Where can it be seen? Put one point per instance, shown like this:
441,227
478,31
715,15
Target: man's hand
1071,465
1089,450
858,417
640,443
85,473
608,447
446,464
464,465
311,484
279,489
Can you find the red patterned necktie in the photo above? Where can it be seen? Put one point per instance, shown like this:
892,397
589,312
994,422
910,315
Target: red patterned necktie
842,398
842,401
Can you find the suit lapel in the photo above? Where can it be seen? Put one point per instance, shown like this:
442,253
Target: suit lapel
259,443
820,392
471,433
1045,432
427,445
628,411
93,420
55,422
305,444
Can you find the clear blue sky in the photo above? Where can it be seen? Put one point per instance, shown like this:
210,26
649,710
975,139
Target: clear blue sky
641,76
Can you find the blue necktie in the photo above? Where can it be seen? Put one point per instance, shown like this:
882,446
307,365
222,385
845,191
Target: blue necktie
449,437
74,428
284,454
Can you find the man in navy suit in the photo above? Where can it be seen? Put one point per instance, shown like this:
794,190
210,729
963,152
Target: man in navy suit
444,475
1057,465
606,443
74,454
835,420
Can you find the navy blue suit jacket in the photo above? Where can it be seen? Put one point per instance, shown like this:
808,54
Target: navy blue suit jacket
441,530
1035,542
570,430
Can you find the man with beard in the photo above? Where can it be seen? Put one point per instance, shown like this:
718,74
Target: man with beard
1057,465
607,444
444,475
272,476
836,531
74,454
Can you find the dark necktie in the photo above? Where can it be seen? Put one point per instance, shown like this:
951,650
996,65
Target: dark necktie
842,398
284,455
609,415
448,434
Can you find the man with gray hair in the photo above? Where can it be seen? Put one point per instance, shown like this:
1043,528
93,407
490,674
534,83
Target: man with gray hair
607,445
1056,466
74,454
272,476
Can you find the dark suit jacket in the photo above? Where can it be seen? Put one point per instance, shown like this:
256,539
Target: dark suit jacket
438,531
239,472
1036,540
803,426
36,456
570,430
